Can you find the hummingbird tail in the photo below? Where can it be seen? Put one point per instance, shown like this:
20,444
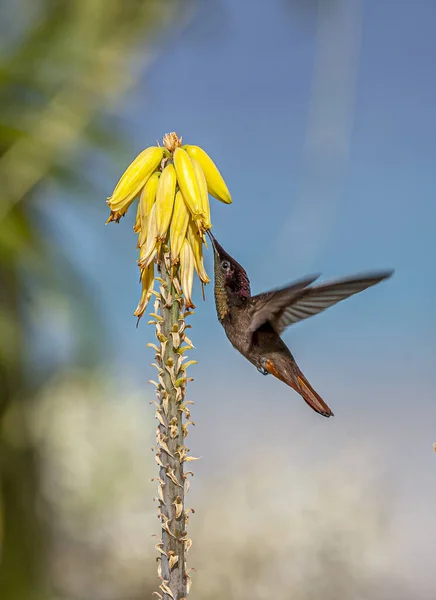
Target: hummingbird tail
297,381
312,397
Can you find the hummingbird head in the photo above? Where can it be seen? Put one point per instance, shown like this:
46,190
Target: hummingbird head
232,286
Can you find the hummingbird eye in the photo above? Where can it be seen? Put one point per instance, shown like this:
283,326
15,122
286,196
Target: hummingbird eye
225,265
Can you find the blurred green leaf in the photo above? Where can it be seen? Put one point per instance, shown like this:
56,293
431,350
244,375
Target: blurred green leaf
63,67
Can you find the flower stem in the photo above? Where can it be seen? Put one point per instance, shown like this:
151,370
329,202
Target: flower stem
170,435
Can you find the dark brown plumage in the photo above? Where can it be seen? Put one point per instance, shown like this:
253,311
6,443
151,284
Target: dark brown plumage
254,324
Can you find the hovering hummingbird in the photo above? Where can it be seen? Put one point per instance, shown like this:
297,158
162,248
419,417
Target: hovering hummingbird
254,324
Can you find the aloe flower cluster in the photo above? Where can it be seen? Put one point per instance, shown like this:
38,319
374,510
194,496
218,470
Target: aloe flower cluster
171,185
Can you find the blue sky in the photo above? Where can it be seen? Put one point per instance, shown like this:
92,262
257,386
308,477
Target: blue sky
324,126
356,194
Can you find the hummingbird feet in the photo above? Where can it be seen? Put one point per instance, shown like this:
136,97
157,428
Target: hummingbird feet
262,369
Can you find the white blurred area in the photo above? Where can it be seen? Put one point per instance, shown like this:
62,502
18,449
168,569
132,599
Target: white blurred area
269,520
96,490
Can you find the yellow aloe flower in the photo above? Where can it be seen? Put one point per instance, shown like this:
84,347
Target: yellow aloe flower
172,184
133,179
187,181
148,195
147,282
137,225
204,196
179,225
166,191
147,199
187,272
148,254
215,183
196,244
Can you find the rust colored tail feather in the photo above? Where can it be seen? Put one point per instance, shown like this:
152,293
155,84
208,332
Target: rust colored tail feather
299,383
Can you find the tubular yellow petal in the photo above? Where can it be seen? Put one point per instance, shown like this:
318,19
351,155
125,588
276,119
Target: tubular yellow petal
187,272
215,183
137,225
166,190
143,234
134,178
147,281
179,225
147,196
187,181
146,201
204,196
196,244
148,250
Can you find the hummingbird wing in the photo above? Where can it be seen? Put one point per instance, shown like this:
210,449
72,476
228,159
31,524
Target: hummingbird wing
268,305
308,301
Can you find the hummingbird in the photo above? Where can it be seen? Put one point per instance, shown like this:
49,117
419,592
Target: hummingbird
254,324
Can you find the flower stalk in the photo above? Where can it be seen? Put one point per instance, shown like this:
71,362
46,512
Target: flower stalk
172,217
171,431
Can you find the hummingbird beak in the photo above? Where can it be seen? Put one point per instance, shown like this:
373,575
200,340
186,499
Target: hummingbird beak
209,233
220,253
213,240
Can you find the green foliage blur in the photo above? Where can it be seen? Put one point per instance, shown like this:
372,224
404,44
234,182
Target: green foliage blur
63,65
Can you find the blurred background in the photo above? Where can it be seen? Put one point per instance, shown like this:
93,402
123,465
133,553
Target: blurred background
321,117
